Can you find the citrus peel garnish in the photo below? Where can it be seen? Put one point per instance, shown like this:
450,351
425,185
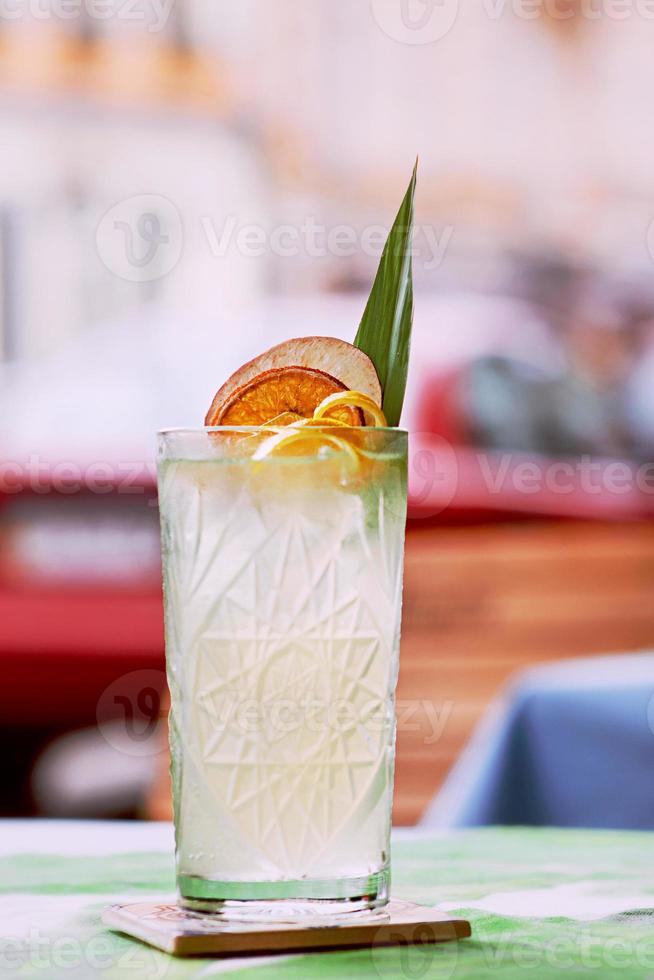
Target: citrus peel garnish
340,399
293,436
313,430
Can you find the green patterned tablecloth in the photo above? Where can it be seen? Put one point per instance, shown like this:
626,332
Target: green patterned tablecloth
543,903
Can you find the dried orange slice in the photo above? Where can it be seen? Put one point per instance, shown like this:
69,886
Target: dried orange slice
293,389
286,418
333,357
334,403
320,424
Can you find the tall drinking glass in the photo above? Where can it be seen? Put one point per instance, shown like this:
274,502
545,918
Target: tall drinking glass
283,585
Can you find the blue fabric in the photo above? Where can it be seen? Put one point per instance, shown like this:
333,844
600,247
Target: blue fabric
570,745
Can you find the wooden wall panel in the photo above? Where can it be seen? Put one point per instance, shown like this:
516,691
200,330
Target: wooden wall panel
483,602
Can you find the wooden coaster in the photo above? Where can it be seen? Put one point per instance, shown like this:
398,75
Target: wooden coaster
182,933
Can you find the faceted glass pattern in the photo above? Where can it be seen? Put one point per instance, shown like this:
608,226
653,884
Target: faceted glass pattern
283,587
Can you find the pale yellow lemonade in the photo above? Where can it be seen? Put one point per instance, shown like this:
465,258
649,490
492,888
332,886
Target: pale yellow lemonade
283,582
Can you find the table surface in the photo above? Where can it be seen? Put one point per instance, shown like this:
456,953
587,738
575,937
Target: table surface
543,904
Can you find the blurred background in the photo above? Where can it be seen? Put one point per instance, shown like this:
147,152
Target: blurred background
186,182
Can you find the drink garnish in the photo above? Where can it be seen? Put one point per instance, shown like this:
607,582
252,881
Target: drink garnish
309,384
345,365
314,431
333,405
312,438
294,390
385,330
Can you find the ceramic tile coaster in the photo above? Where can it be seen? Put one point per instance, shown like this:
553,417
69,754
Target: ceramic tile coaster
182,933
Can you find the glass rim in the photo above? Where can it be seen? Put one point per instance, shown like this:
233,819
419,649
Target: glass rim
191,431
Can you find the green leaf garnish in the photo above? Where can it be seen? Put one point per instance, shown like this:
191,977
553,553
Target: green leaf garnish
384,333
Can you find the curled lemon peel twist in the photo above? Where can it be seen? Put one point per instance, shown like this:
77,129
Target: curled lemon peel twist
355,399
312,430
284,439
